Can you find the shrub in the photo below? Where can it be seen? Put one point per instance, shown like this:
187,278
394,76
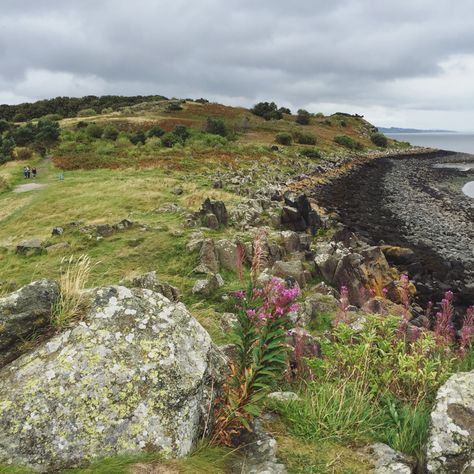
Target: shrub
23,154
81,124
284,110
343,123
138,137
379,139
269,111
216,126
7,146
182,132
86,112
46,135
319,115
348,142
4,126
24,135
283,138
202,101
51,117
173,107
305,138
155,131
107,110
312,153
169,140
110,133
303,117
94,131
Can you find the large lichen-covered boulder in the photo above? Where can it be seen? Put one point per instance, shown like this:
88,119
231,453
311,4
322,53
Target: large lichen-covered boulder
450,447
23,314
138,372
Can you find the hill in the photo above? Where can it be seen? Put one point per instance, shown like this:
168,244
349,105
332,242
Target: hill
128,189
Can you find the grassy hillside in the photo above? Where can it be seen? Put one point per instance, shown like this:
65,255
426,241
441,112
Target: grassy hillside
107,180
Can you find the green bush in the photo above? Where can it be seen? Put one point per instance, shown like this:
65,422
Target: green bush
86,112
303,117
138,137
94,131
169,140
110,133
348,142
173,107
305,138
51,117
24,136
7,147
107,110
284,110
4,126
379,139
182,132
312,153
216,126
283,138
155,131
319,115
267,110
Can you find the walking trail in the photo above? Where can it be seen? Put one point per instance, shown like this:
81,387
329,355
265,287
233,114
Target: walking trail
43,172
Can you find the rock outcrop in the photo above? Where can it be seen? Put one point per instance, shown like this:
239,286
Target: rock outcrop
24,314
450,447
139,372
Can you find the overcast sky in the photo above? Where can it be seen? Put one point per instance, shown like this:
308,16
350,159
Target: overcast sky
402,63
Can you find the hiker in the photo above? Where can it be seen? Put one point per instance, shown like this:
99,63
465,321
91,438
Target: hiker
25,172
33,172
28,172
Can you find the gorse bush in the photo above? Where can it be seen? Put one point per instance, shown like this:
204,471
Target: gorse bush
379,139
348,142
216,126
312,153
138,137
86,112
110,133
170,139
7,147
182,132
303,117
305,138
155,131
94,130
283,138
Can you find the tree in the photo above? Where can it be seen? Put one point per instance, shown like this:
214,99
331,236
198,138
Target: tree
169,140
7,146
303,117
47,134
284,110
216,126
4,126
24,135
94,130
269,111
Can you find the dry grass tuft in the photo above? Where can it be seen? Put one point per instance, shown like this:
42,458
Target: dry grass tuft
72,300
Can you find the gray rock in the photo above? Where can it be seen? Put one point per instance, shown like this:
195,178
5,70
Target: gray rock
208,260
123,225
291,241
293,270
284,396
57,248
209,285
389,461
210,220
227,322
178,191
450,444
57,231
195,242
104,230
151,282
215,208
137,373
25,313
227,254
30,247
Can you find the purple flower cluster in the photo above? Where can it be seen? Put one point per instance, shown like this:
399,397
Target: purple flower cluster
273,301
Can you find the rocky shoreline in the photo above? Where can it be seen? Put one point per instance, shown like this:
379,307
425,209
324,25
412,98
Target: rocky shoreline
404,201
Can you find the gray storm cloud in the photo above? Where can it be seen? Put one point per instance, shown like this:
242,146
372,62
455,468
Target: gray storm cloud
404,63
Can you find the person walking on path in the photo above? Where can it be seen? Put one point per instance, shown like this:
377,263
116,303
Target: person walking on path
25,172
28,172
33,172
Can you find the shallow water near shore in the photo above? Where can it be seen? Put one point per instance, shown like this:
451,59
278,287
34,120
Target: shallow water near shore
460,142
